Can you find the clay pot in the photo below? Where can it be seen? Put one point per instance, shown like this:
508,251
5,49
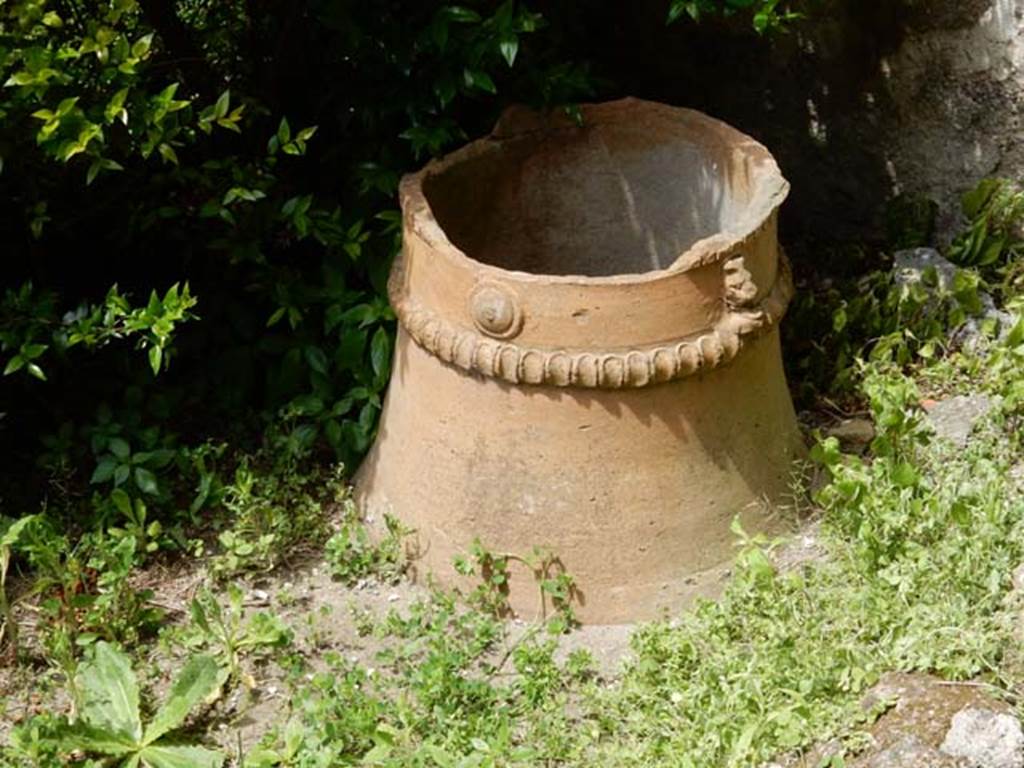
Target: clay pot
588,356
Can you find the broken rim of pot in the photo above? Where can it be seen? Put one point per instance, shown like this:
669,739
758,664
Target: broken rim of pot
637,192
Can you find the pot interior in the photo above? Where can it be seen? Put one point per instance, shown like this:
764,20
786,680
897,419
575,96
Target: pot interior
604,199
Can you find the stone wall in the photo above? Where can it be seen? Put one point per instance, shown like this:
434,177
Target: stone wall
866,99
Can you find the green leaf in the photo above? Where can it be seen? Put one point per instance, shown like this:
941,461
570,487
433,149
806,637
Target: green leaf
460,14
122,501
317,359
380,352
158,756
36,371
90,739
32,351
220,109
13,531
167,153
276,316
109,693
678,8
156,356
104,470
333,433
308,405
1016,335
141,46
476,78
904,475
145,481
119,447
200,677
991,251
284,131
14,364
94,169
509,46
974,200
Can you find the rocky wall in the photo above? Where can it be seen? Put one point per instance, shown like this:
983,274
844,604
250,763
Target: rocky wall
862,101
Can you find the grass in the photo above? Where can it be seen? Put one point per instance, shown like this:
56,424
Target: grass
922,539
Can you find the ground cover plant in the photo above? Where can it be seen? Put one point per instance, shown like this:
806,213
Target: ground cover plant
181,414
922,539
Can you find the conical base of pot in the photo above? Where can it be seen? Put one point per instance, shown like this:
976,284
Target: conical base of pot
633,489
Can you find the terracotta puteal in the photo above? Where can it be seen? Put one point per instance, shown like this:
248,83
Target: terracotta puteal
588,355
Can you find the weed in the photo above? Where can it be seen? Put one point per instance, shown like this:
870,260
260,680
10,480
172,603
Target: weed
272,514
224,631
556,588
352,555
108,721
876,318
8,538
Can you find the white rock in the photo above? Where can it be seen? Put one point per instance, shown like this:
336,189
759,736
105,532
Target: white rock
985,739
954,418
908,752
909,267
853,431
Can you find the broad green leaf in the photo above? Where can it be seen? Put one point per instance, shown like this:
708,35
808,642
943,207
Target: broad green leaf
110,693
94,169
119,447
156,356
122,501
158,756
66,105
32,351
380,352
36,371
104,470
1016,335
904,475
317,359
460,14
141,46
509,46
89,739
974,200
145,481
220,109
167,153
10,536
198,679
476,78
14,365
